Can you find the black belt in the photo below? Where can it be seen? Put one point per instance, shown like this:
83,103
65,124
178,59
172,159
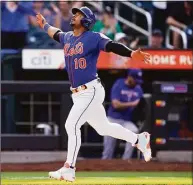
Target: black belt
83,87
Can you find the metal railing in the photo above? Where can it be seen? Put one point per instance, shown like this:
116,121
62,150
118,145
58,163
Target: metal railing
147,32
181,32
96,4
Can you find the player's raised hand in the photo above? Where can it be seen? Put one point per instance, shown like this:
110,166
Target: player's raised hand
40,20
138,55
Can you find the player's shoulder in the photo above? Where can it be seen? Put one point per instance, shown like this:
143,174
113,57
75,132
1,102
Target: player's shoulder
69,33
99,35
93,33
67,36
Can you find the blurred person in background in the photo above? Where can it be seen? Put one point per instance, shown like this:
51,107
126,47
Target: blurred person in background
64,16
36,36
123,38
108,25
181,16
159,15
186,126
77,4
125,96
15,24
157,39
48,12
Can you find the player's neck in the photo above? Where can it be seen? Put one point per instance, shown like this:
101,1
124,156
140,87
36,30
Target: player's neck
78,32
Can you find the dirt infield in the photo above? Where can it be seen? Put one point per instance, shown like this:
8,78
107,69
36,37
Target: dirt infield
102,165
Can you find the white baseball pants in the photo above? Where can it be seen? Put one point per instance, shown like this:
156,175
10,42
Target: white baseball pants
88,107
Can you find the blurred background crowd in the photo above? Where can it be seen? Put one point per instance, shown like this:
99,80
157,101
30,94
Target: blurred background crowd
19,28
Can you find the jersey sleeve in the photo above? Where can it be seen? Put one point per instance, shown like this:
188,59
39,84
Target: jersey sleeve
115,91
62,39
102,41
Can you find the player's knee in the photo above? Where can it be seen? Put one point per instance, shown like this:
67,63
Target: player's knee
71,128
101,131
68,127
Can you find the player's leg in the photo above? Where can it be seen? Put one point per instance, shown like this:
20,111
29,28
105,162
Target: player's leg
76,118
73,124
128,147
101,124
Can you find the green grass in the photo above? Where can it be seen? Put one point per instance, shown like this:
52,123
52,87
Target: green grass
85,178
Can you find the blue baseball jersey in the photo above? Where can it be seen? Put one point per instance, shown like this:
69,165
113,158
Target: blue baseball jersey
81,55
122,92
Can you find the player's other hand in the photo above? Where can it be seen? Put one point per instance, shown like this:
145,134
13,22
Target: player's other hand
138,55
40,20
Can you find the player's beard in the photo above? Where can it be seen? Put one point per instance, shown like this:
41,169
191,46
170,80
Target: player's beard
71,23
131,83
74,26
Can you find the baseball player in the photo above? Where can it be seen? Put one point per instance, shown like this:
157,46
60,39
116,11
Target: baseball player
129,92
81,51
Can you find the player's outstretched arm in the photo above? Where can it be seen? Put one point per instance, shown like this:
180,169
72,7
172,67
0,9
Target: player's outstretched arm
52,31
123,50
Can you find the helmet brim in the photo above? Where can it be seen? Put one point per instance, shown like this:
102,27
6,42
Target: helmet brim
75,10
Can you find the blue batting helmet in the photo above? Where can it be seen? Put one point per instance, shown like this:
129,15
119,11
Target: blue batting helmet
89,18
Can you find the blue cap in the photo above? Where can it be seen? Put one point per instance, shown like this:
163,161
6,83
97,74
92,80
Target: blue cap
136,74
157,32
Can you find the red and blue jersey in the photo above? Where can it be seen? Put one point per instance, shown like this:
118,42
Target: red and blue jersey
81,55
122,92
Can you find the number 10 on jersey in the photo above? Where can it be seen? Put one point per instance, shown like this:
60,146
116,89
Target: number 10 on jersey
80,63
